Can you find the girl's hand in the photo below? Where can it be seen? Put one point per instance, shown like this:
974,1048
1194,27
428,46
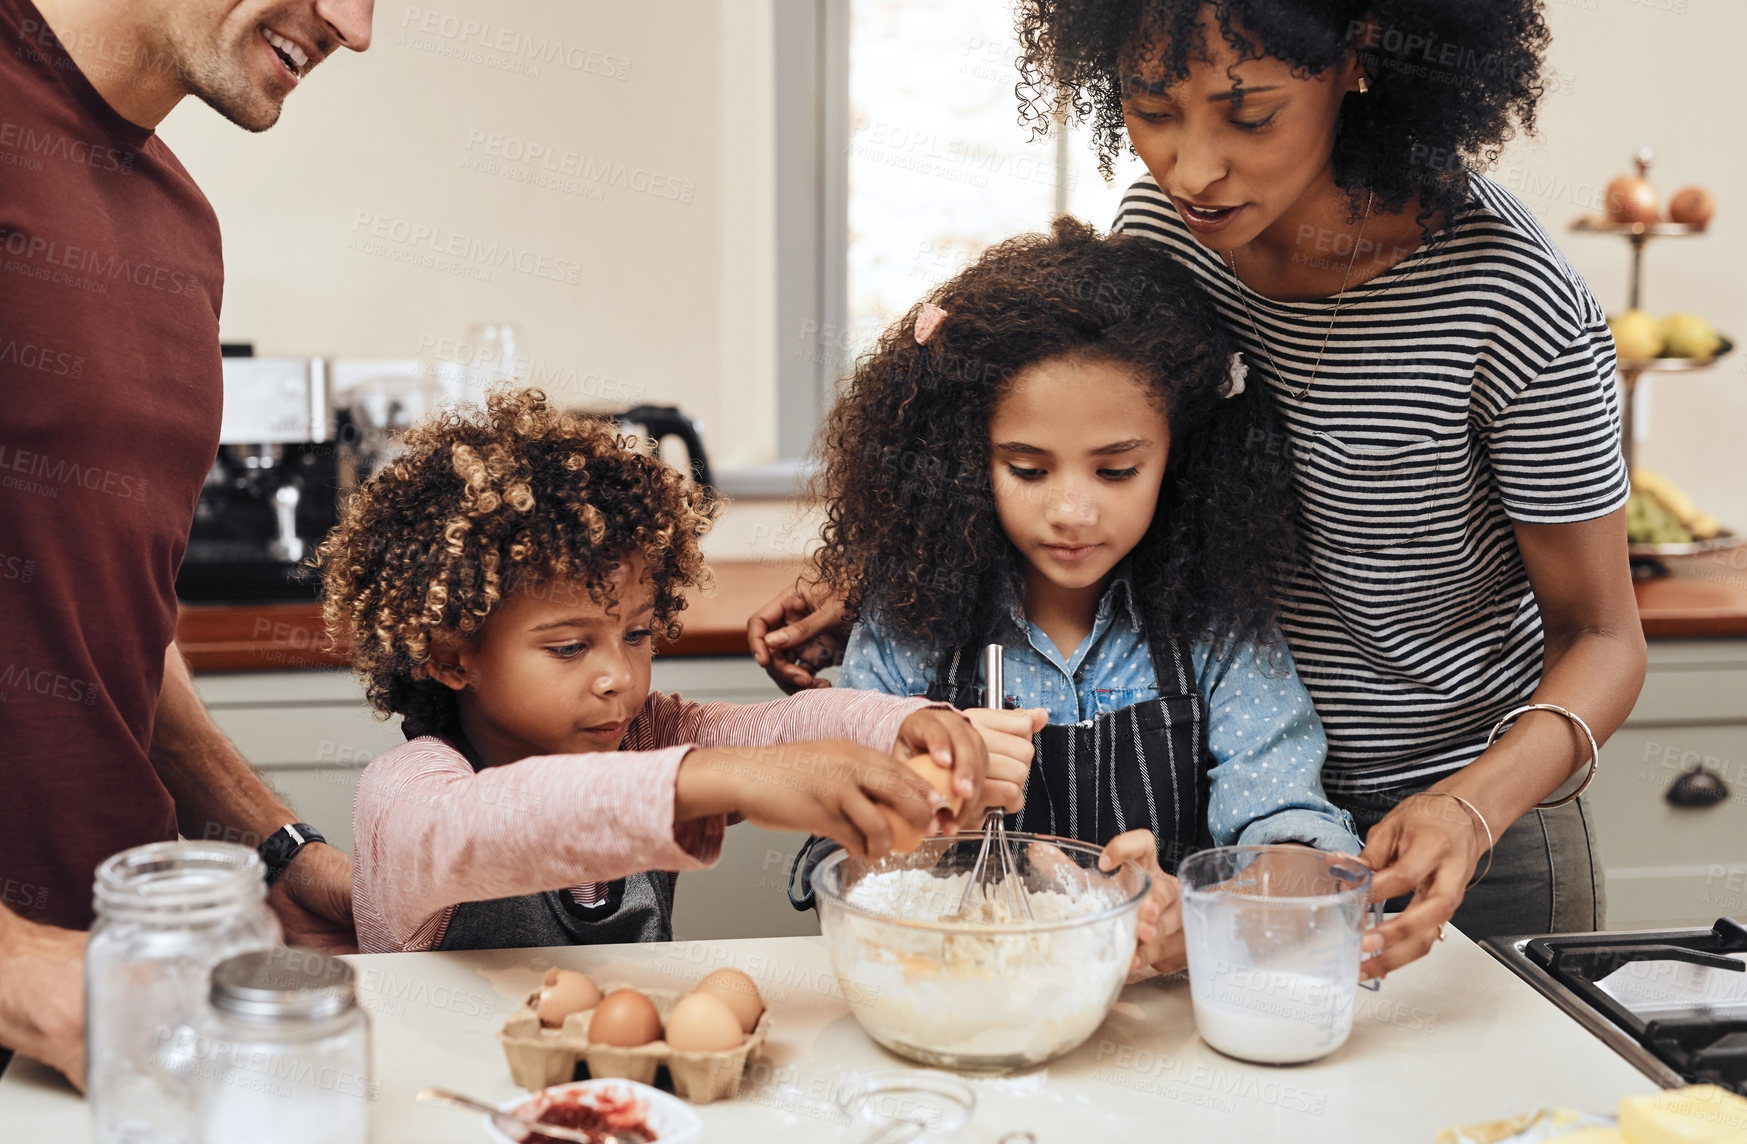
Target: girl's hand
1007,734
809,635
952,741
1158,938
831,787
1429,846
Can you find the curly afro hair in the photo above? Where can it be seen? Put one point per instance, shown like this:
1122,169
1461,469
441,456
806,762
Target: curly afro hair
485,502
1451,80
912,535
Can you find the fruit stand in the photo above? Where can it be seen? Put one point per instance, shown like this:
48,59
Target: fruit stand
1661,520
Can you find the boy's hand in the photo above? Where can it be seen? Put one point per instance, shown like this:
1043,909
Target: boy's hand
948,737
1158,937
1007,735
831,787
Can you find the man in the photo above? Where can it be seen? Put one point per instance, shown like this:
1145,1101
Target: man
110,394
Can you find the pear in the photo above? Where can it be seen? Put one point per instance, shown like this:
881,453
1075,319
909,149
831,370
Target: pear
1637,336
1688,336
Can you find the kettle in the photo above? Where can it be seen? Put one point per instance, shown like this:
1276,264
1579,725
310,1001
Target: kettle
659,423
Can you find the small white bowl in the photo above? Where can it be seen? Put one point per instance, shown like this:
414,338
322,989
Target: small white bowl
670,1118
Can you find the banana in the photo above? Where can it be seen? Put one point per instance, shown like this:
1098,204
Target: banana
1671,496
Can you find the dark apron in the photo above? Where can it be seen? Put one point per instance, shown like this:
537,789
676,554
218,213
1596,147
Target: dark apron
637,908
1143,766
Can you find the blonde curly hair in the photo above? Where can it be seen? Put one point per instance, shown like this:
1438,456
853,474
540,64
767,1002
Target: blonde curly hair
482,503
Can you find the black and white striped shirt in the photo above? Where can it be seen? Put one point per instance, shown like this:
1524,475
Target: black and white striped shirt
1469,386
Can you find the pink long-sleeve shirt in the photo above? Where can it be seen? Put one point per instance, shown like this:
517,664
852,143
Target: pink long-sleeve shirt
431,833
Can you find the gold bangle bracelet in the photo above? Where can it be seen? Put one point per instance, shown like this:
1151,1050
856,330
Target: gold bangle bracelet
1594,751
1484,825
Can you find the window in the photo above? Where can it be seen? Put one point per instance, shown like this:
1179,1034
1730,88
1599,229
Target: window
900,158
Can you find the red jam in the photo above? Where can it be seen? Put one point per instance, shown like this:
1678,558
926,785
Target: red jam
596,1112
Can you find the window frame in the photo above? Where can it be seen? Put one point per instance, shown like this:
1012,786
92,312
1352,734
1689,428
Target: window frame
813,149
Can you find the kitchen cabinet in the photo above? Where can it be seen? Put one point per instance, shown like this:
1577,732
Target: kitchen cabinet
310,734
1673,866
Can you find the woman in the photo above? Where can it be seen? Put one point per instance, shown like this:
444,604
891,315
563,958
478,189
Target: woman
1447,383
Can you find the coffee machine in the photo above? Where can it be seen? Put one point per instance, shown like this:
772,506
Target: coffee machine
273,490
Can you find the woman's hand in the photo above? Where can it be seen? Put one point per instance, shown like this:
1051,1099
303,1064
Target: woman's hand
953,742
809,635
1158,937
1007,734
1428,844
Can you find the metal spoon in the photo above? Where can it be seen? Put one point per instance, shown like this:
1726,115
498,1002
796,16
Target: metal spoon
520,1127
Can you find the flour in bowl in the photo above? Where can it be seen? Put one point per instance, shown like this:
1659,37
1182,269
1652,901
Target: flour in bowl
990,990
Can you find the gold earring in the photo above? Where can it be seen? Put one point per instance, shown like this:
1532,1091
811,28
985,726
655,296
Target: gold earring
1364,85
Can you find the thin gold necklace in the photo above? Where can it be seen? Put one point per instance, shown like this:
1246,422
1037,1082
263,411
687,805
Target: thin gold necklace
1231,260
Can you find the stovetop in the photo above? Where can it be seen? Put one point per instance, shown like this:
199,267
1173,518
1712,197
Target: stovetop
1672,1002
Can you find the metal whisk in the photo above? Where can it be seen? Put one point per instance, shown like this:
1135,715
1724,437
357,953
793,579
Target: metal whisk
1004,869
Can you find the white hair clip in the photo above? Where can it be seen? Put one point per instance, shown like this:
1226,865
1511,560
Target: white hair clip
1234,381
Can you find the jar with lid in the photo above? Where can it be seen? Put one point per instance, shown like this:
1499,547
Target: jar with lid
166,914
285,1052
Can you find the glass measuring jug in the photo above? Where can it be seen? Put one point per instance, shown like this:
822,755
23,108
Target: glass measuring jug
1272,934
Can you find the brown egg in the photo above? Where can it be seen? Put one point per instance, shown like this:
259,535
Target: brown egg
703,1023
566,992
624,1018
738,992
905,837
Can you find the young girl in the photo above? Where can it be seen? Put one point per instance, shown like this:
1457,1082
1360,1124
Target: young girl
1055,454
501,587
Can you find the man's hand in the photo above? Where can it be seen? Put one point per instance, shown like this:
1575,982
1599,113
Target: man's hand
810,635
42,994
1007,734
1158,938
313,900
831,787
953,742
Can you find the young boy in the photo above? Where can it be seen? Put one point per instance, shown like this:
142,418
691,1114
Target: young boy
501,586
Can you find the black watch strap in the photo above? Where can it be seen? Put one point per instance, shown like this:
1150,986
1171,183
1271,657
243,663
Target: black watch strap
282,846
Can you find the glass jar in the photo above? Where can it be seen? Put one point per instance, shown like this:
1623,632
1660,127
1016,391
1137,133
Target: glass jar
166,914
286,1055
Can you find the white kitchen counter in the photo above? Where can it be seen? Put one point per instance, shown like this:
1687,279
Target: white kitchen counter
1454,1038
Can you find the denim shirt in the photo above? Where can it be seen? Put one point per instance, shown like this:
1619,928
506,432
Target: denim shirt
1267,742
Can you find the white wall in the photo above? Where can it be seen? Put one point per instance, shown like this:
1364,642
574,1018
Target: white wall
673,300
642,256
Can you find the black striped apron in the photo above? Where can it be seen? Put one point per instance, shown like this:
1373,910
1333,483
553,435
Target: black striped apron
1139,767
1143,766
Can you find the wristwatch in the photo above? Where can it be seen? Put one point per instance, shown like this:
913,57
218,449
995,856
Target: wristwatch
282,846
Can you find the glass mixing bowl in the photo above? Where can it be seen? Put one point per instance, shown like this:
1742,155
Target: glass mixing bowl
989,994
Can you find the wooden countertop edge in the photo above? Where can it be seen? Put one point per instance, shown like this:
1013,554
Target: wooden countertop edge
283,636
1695,625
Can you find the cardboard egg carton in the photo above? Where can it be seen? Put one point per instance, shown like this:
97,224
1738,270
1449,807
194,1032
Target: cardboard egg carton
540,1057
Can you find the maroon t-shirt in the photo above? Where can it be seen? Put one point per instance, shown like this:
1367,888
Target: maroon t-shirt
110,397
